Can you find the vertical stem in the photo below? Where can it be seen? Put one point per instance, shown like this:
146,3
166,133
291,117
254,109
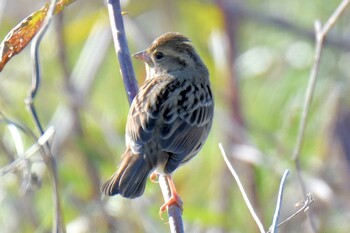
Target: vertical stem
122,49
279,202
49,159
320,34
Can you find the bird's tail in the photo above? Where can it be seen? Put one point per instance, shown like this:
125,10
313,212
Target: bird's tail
130,178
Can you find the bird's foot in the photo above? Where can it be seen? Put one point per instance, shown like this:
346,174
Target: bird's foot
174,198
154,177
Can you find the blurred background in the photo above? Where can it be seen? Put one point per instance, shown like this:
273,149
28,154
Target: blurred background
259,54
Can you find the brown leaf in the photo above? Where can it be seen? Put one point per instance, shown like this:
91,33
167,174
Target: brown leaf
20,36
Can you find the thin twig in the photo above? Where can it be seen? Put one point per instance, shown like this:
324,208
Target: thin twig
27,164
21,155
29,153
49,159
309,92
334,17
306,204
321,33
122,50
304,208
36,65
279,202
21,127
240,186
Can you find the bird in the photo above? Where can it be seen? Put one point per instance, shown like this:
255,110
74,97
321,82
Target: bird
169,119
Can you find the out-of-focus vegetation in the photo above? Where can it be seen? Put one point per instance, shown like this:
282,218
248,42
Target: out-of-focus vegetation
264,45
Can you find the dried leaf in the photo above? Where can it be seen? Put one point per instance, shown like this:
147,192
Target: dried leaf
20,36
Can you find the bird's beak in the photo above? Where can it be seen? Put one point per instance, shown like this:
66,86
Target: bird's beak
143,56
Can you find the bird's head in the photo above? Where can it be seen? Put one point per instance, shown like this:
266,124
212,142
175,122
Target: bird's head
169,53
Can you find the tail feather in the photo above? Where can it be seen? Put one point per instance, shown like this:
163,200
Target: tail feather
130,178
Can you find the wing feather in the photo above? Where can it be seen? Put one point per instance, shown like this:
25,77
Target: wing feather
144,114
176,114
185,135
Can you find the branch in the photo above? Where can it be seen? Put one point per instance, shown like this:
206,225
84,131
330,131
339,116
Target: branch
334,17
306,204
29,153
174,212
36,66
49,159
321,33
279,202
320,36
122,50
240,186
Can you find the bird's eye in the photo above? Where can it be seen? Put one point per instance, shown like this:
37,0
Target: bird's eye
159,55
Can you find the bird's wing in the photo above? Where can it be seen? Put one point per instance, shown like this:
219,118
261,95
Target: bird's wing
144,113
186,125
181,112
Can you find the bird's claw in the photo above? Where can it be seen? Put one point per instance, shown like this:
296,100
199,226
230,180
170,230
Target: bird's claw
154,177
174,199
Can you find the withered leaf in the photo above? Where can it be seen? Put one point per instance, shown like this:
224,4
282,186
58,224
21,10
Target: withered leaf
20,36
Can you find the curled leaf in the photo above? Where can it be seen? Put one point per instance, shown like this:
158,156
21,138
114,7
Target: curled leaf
20,36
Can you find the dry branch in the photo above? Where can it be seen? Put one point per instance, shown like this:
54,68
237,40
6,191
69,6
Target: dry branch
320,36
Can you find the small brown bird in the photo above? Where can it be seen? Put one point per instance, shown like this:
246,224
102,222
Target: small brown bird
169,119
